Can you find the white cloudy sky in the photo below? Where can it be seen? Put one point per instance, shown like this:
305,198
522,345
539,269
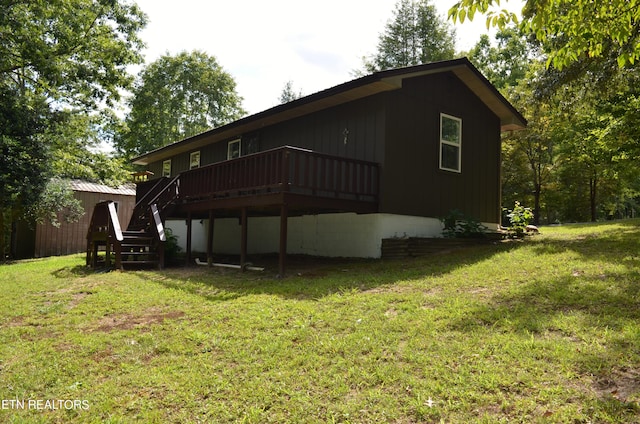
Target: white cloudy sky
263,44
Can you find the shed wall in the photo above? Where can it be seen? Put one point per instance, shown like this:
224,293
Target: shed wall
72,237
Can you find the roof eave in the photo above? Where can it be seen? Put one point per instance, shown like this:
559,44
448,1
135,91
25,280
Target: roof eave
366,86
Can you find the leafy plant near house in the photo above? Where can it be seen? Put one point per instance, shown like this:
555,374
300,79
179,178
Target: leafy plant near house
458,225
172,248
519,218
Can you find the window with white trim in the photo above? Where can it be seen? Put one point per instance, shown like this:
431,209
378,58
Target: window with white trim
233,149
166,168
194,160
450,143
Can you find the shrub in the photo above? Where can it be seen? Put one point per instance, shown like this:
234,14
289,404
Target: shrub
519,218
457,225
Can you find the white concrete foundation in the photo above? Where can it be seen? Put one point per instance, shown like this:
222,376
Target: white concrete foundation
333,235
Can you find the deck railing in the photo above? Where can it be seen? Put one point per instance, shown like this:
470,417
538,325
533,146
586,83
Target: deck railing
285,169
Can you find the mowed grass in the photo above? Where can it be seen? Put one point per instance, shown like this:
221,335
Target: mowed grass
541,331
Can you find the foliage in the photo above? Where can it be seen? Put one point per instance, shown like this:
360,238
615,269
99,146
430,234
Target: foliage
56,201
507,332
458,225
506,63
171,248
73,51
55,55
519,218
76,150
177,97
572,29
289,94
414,35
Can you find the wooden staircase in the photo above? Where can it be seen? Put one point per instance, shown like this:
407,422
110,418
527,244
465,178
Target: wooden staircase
142,244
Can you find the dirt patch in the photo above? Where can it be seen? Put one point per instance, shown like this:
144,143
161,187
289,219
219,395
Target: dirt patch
77,298
127,321
622,385
15,322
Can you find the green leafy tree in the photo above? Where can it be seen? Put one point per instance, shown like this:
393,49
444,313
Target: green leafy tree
571,29
57,202
55,55
506,63
177,97
416,34
76,150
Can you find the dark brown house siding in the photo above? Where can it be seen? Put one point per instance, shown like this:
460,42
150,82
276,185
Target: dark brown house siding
354,130
412,181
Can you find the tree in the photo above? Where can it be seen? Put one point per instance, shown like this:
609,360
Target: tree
571,29
415,35
288,94
55,55
505,64
177,97
76,142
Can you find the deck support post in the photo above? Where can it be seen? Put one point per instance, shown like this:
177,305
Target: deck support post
243,240
189,228
210,239
284,212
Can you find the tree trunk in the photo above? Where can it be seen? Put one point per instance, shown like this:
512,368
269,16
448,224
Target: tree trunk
2,237
536,204
593,185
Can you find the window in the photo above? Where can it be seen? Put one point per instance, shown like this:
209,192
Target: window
450,143
233,149
194,160
166,168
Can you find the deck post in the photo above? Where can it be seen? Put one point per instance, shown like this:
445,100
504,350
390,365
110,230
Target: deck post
189,227
283,240
210,239
243,241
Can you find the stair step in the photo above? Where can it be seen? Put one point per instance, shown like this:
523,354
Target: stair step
136,234
140,262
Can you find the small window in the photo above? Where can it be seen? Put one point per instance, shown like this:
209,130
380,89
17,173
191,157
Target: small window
194,160
166,168
450,143
233,149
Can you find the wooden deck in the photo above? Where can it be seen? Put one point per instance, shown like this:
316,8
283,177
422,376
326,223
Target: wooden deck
305,181
284,182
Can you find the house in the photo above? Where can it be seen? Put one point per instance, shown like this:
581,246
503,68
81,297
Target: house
333,173
42,240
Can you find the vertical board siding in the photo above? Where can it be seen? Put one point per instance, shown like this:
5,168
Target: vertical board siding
323,131
72,237
413,183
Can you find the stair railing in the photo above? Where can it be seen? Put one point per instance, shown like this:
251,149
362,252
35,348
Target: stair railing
163,193
158,233
104,229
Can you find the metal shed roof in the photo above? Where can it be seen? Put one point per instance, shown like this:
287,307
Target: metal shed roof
125,190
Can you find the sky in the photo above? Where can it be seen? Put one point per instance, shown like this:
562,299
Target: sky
264,44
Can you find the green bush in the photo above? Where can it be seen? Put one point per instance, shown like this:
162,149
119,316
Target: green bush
457,225
519,218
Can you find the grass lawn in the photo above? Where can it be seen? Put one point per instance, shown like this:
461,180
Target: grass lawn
541,331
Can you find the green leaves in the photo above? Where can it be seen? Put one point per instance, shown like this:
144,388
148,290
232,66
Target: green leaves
177,97
56,55
573,29
414,35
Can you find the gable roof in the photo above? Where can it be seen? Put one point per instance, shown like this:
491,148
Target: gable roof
510,118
